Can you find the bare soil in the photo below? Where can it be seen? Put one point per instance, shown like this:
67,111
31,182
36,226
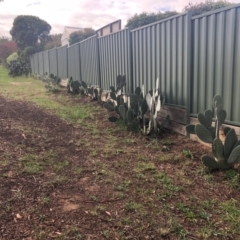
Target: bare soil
66,181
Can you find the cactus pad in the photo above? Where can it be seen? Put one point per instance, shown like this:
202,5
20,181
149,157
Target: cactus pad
230,141
217,148
112,89
113,96
122,111
218,102
149,101
210,162
108,106
190,129
113,119
130,116
221,117
144,107
202,120
234,156
203,133
138,91
226,130
208,116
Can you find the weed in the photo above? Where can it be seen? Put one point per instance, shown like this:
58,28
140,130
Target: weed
179,230
106,233
123,186
143,167
189,213
231,213
233,178
31,165
59,166
188,154
135,207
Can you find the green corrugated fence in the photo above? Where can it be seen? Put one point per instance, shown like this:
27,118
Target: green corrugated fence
194,58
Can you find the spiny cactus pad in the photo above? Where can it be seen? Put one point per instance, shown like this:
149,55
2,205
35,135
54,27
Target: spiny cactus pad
144,106
122,111
113,119
210,162
113,96
208,116
130,115
221,117
202,120
229,143
203,133
217,148
108,106
234,156
190,128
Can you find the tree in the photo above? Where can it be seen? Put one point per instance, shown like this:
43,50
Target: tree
54,40
4,39
26,53
29,30
81,35
6,49
142,19
208,5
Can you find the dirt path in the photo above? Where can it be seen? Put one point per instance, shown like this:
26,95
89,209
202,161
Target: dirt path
62,181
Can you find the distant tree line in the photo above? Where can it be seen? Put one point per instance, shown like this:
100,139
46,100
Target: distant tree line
31,34
139,20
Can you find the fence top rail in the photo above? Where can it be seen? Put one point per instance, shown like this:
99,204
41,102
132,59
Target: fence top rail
93,36
65,46
73,45
52,49
216,11
160,21
113,33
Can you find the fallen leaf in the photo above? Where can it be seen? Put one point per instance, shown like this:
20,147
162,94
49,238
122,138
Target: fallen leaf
18,216
108,213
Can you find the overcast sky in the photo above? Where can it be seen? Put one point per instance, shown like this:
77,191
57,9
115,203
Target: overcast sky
82,13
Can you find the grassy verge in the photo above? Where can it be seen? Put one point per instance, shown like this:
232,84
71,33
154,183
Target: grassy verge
123,185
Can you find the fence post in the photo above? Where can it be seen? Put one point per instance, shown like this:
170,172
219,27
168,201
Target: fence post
80,66
67,60
130,64
98,62
189,70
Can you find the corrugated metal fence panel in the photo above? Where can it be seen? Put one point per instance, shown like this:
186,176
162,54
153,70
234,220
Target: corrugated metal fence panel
115,58
74,62
35,58
161,50
40,63
53,67
62,62
46,62
89,61
216,61
32,63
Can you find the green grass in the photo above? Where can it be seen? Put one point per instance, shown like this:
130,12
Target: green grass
154,184
33,90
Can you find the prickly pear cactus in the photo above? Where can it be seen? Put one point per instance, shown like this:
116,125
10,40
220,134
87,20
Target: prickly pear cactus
73,86
225,154
154,103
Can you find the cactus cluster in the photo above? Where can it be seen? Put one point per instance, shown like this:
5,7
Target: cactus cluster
52,82
95,92
73,86
225,154
133,113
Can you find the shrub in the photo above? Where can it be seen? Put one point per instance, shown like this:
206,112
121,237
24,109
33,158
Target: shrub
18,68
